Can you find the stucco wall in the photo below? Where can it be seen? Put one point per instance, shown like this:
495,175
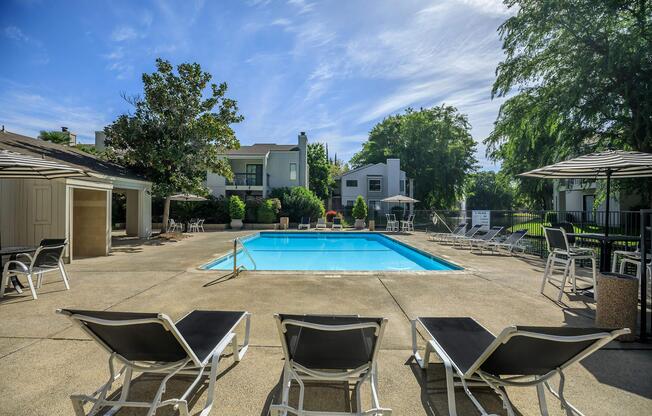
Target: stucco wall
278,168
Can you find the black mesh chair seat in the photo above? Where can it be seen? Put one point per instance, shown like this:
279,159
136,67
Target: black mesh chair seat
202,331
330,350
463,339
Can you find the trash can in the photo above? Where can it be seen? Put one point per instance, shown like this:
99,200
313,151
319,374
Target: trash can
284,222
617,303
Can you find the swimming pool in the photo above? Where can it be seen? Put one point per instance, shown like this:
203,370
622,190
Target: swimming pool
343,251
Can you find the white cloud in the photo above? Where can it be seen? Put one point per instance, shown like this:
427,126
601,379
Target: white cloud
281,22
13,32
26,112
123,33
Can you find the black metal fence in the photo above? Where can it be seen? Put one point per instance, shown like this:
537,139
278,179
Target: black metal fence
620,222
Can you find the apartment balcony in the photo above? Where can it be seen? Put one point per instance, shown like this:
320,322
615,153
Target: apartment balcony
245,182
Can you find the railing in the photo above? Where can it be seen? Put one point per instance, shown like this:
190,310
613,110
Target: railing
620,222
236,268
246,179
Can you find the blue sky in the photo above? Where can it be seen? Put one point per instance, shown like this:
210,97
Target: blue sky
330,68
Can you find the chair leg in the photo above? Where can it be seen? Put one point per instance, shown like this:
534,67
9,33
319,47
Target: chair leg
541,395
562,286
572,276
64,275
31,286
595,279
545,272
4,281
450,388
211,385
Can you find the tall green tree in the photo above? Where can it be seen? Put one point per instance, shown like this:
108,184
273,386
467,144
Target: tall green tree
319,173
489,190
54,136
435,147
178,130
581,72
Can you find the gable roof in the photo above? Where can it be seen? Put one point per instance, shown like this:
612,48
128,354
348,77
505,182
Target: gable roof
358,169
66,154
261,149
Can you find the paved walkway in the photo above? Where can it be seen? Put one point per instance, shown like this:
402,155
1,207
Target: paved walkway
43,359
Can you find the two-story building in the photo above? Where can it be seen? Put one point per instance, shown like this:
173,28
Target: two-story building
373,182
261,167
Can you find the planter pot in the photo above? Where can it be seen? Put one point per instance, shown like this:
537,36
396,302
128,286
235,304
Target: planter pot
372,225
359,224
236,224
617,304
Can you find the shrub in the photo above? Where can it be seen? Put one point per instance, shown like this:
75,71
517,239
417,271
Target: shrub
267,211
300,202
251,209
330,215
236,208
359,208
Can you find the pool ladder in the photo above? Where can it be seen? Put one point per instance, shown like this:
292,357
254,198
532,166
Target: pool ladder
236,268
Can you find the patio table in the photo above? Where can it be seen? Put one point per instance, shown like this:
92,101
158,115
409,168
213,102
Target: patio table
13,252
605,245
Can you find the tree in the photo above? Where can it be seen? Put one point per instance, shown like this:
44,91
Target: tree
54,136
435,147
319,171
359,211
582,72
178,130
489,190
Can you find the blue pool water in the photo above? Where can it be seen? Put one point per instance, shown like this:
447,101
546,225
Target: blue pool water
329,251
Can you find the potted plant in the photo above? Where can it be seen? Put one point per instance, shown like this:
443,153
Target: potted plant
236,212
359,212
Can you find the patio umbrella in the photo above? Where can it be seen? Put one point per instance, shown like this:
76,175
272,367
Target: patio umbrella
187,198
399,199
601,165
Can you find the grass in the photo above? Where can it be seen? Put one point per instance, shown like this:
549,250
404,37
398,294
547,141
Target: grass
536,228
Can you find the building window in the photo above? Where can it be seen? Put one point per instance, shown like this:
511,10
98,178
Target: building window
293,171
375,185
401,186
351,183
374,205
349,203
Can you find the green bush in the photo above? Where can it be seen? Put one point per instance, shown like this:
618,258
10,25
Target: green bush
300,202
268,211
215,210
251,209
236,208
359,208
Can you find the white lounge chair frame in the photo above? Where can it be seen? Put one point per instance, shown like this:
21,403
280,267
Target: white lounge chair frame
489,236
299,373
303,225
189,366
321,223
338,226
505,246
31,271
565,258
474,376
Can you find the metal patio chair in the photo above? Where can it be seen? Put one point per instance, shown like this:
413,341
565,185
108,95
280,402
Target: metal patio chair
329,348
520,356
153,343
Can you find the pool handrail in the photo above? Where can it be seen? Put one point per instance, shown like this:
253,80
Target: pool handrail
244,249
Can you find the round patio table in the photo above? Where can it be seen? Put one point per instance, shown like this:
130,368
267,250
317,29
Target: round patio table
13,252
605,245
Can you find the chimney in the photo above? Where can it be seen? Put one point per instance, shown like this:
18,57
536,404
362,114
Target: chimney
303,158
100,137
72,137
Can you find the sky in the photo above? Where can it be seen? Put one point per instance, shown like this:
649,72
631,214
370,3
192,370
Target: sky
333,69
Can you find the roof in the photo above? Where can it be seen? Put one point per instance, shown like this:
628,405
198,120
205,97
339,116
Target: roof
262,149
65,154
363,168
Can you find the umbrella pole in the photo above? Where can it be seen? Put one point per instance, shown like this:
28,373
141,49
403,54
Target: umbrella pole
606,219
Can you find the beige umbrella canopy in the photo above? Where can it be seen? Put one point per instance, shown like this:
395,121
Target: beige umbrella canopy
187,198
400,199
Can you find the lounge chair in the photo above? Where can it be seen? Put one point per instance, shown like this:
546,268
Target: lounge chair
305,223
153,343
520,356
562,254
468,234
337,223
321,223
329,348
489,235
47,258
459,230
508,245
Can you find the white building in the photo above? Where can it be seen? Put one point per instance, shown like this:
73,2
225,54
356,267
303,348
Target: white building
78,209
373,182
259,168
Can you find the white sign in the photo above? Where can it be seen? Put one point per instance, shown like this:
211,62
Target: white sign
481,217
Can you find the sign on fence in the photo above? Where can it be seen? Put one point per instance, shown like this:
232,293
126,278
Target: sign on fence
481,217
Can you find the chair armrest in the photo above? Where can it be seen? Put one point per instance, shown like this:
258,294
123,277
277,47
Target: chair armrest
24,255
23,266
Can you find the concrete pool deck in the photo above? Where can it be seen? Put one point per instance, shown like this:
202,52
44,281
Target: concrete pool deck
43,359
